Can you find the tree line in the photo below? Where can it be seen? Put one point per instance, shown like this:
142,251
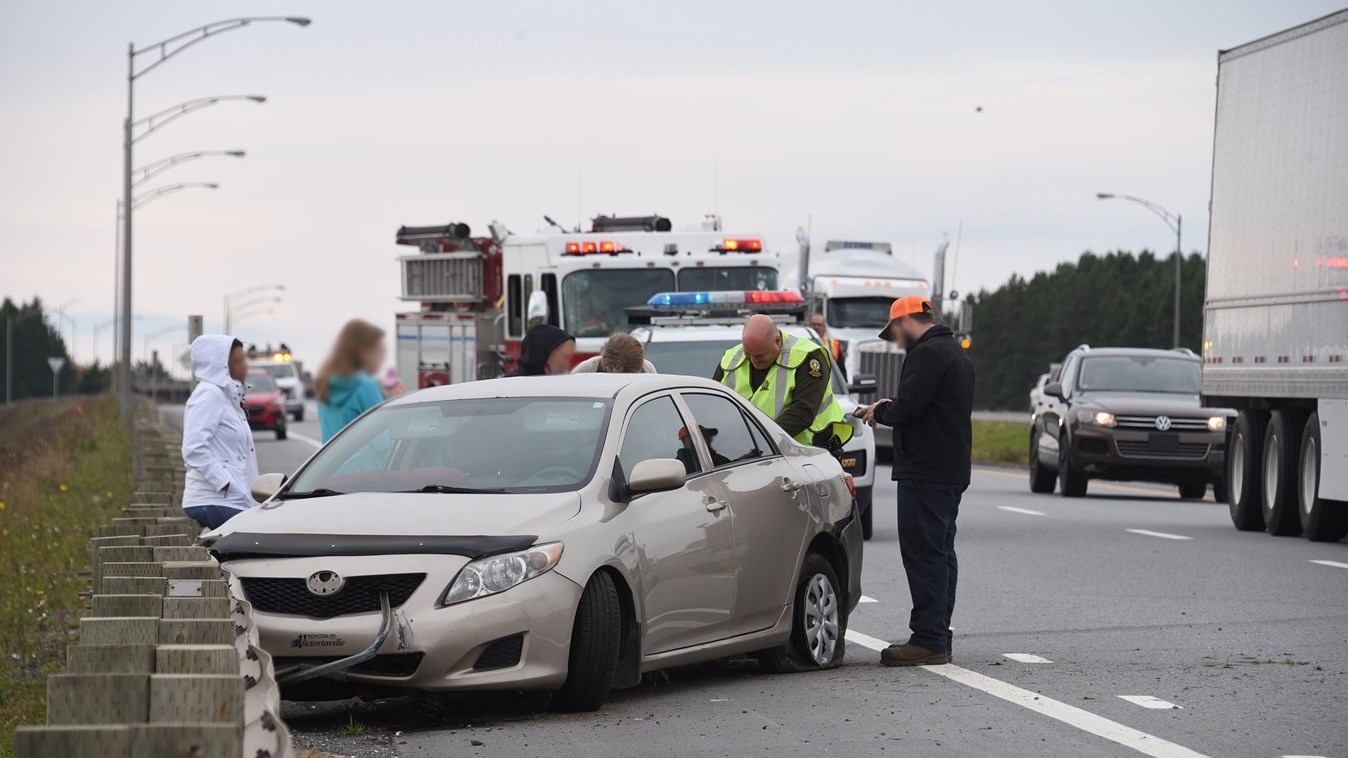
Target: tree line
1113,300
35,340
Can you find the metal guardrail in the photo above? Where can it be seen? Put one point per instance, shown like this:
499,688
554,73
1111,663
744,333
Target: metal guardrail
167,663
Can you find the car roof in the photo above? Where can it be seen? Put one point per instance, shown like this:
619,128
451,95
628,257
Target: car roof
596,385
1138,352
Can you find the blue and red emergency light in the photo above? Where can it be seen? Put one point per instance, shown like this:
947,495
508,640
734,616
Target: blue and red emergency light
732,298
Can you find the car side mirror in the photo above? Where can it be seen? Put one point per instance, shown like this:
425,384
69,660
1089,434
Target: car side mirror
656,475
1054,389
864,384
537,310
267,485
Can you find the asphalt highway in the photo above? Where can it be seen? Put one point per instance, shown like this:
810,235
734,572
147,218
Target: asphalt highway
1128,623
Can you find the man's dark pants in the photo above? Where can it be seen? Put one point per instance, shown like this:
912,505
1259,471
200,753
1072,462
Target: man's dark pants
927,512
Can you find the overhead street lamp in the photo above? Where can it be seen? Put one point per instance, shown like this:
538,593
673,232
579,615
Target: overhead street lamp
61,316
1176,224
157,54
260,294
151,170
157,121
255,311
145,198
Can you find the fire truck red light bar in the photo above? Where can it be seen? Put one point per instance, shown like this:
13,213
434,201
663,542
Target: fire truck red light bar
742,245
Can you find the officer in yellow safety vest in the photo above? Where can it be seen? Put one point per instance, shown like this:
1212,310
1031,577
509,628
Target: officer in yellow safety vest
790,379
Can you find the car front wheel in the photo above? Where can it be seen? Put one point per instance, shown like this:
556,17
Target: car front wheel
818,623
595,641
1073,482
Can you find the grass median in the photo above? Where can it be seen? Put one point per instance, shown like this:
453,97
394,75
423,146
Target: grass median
65,470
1001,443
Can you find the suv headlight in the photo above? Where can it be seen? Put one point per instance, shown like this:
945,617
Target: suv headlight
498,573
1217,424
1096,418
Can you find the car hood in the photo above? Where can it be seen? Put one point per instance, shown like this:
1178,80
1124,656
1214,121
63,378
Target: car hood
422,514
1144,403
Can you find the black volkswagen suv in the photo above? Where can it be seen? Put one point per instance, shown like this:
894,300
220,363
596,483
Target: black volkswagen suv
1128,414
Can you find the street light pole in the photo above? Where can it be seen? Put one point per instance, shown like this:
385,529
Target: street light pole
167,49
1176,224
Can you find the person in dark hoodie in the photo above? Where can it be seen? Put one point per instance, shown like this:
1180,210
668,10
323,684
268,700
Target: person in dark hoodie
546,350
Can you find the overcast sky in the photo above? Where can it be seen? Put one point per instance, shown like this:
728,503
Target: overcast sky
860,118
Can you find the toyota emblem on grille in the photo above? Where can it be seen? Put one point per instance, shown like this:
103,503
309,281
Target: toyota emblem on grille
1162,425
324,583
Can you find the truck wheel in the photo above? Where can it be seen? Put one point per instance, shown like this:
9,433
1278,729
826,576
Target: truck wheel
1279,492
1193,490
1042,480
1321,520
596,639
1073,482
1244,480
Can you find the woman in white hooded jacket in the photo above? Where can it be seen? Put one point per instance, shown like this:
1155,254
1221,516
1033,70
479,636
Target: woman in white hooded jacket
217,443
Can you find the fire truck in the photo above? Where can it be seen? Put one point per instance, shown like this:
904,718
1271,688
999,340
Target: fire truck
479,294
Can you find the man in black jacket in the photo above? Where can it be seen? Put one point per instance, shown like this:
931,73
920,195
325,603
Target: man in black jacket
932,441
545,350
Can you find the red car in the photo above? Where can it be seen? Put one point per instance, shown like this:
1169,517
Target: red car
265,404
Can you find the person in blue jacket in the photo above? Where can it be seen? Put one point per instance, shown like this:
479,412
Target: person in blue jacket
346,386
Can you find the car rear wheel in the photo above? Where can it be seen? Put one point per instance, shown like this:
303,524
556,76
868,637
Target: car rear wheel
1279,493
595,641
1321,520
867,523
280,432
818,623
1193,490
1042,480
1073,482
1244,479
298,415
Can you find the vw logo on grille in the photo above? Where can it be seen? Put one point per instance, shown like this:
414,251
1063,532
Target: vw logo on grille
324,583
1162,423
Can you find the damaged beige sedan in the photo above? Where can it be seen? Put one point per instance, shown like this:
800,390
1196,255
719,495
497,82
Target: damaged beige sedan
564,534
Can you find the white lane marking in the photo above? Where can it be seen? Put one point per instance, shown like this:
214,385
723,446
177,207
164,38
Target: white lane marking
1153,491
1162,535
1026,511
1303,756
1068,714
1025,658
1335,564
1147,701
868,599
304,439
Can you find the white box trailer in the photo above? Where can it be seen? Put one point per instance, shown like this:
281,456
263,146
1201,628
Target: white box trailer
1275,317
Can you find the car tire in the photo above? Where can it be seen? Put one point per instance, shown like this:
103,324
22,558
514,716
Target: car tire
1072,483
818,595
867,523
1244,477
1042,480
596,638
281,433
1220,493
1321,520
298,415
1278,495
1193,490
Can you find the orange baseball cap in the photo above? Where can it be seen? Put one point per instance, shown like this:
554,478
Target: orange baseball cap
905,306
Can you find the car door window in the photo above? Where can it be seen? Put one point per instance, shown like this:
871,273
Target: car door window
656,430
725,430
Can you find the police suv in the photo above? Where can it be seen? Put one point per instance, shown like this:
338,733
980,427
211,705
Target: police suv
688,332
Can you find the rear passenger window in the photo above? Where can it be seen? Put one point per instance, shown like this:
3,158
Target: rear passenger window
657,431
725,430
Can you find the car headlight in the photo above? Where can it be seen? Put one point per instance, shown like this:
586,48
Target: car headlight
1217,424
1096,418
498,573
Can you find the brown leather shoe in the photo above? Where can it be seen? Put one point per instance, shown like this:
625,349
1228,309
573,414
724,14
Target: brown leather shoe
909,654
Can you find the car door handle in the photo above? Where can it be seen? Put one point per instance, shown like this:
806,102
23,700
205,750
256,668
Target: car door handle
715,504
790,486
